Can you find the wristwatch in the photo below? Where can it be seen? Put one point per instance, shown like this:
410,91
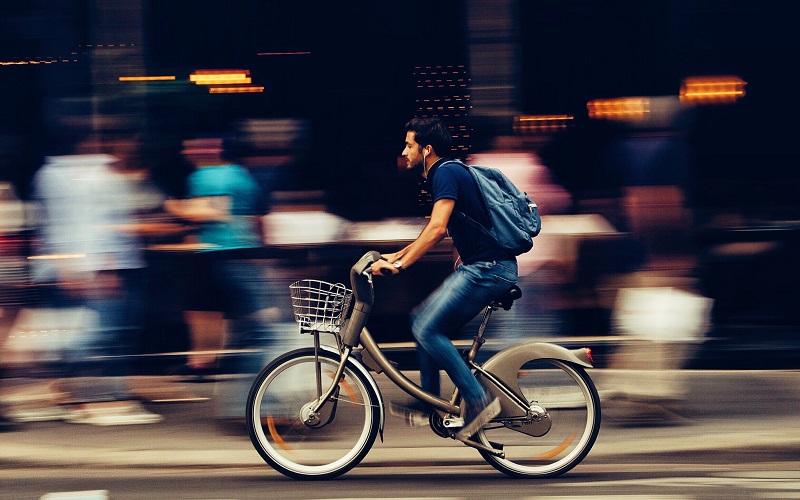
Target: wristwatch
398,264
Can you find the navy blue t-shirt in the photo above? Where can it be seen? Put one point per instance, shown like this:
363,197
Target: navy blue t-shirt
450,180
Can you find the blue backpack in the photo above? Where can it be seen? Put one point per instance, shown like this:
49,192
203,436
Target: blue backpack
514,216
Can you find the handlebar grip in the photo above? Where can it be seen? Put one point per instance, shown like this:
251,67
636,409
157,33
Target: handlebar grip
386,272
364,296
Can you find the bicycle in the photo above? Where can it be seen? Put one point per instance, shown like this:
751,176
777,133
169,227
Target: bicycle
314,413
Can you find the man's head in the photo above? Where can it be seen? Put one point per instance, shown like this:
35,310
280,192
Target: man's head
426,138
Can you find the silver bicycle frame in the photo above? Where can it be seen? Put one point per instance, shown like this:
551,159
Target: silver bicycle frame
355,331
503,365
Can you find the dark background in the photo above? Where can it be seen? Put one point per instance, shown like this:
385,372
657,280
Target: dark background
357,89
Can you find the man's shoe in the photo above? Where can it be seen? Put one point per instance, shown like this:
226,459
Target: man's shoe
477,417
414,412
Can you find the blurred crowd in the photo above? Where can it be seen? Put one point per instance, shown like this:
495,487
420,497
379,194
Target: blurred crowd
78,292
102,270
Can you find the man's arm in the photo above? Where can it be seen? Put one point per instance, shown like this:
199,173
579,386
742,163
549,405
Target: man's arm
434,232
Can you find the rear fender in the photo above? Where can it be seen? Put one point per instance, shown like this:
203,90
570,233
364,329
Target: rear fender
505,365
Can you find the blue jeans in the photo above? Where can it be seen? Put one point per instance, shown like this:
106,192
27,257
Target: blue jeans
451,306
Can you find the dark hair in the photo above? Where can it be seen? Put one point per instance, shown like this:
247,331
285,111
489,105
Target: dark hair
431,131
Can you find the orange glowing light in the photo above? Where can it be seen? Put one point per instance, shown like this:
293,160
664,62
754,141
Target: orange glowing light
146,78
30,61
528,124
220,77
623,108
712,89
235,90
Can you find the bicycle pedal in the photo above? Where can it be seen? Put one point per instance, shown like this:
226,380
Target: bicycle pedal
483,418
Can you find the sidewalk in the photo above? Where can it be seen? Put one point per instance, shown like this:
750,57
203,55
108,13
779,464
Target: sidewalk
717,410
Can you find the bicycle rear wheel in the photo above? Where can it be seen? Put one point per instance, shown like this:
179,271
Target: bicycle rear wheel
562,438
337,441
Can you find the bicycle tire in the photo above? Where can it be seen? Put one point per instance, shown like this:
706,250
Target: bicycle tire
572,403
301,451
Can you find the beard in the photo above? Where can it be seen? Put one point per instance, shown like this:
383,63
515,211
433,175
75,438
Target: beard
415,167
417,163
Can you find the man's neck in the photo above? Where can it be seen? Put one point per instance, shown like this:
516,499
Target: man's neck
428,162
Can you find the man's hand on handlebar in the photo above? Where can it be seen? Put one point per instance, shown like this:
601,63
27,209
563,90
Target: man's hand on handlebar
383,267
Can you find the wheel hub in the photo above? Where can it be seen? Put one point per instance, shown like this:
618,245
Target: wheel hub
308,417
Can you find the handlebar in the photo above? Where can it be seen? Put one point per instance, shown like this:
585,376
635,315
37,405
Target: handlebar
368,272
361,281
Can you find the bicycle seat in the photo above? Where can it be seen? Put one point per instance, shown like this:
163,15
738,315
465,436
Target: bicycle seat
508,298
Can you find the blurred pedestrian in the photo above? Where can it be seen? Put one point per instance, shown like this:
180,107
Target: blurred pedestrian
88,258
225,203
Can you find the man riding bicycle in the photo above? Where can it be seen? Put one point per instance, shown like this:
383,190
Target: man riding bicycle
484,273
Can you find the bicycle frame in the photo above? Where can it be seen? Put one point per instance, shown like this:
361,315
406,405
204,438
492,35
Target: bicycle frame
375,359
378,362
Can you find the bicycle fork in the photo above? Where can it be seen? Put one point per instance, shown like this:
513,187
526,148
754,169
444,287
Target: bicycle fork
321,411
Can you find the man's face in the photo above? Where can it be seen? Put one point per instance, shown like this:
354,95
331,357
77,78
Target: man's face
413,151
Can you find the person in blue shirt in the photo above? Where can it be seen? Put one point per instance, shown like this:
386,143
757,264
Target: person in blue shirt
483,273
224,202
222,198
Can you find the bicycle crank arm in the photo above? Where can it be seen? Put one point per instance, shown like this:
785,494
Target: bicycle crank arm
480,446
453,422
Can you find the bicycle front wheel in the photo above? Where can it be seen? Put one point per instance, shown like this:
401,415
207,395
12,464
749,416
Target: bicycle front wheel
332,444
559,440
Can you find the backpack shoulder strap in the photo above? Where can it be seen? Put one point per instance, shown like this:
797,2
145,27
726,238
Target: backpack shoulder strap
459,213
457,162
429,179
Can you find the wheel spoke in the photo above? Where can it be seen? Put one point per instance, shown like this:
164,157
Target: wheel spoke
564,434
338,438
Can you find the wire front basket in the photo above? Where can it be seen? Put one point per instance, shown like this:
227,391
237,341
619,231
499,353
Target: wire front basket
320,306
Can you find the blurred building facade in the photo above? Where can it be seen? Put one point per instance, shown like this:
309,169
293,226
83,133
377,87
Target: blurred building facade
324,92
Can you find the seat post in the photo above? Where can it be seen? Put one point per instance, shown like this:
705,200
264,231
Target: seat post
478,341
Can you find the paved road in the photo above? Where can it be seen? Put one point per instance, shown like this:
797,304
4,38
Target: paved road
701,434
687,412
660,478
